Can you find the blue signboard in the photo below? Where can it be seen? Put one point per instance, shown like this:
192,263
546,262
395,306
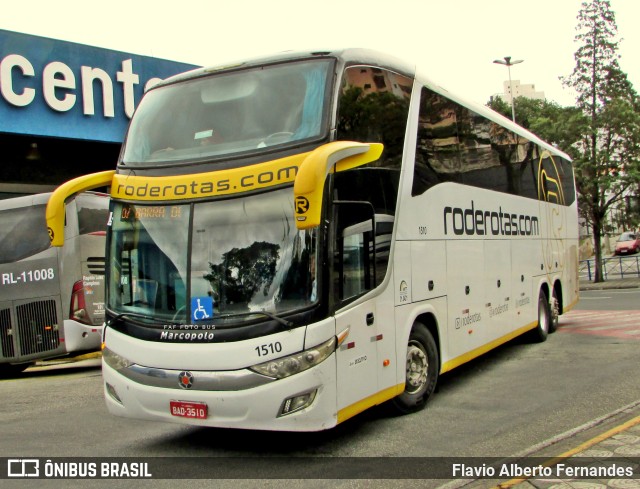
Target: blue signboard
63,89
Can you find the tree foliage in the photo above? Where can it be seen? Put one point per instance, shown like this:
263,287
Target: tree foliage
560,126
607,154
243,272
602,132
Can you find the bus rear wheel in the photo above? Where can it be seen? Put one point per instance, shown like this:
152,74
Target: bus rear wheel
422,371
11,370
554,308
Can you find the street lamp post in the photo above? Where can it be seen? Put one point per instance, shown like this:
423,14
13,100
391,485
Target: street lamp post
508,63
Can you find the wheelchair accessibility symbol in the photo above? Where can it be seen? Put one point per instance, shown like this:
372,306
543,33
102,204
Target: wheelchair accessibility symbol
201,308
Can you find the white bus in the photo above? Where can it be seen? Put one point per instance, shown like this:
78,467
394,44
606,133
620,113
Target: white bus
51,299
296,239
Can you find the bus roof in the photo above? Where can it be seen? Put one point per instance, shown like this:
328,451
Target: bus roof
24,201
36,199
354,56
347,56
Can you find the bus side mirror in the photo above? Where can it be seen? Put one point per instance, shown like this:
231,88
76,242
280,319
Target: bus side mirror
55,206
309,183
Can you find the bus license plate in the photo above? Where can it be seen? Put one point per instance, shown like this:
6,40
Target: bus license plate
185,409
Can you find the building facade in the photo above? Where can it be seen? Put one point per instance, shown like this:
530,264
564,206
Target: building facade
65,108
527,90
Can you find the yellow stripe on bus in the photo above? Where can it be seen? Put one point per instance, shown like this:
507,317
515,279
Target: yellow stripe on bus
210,184
396,390
462,359
374,400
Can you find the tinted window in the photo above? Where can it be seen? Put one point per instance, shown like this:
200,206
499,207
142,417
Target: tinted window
373,108
93,212
230,113
455,144
24,233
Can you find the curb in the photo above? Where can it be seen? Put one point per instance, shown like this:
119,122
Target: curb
608,287
628,283
87,356
63,360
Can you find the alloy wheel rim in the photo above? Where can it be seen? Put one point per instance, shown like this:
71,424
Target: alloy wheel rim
417,367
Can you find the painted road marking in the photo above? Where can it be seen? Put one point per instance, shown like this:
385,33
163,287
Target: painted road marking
579,451
616,324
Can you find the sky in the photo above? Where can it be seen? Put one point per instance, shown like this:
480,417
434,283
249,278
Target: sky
453,41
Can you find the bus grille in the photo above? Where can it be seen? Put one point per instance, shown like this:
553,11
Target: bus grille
96,265
38,327
6,334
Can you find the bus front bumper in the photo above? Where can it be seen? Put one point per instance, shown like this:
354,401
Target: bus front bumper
260,407
81,337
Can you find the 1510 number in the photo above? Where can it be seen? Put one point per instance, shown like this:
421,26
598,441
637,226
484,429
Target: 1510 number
269,348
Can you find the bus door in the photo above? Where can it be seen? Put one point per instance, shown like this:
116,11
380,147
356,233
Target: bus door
360,265
353,278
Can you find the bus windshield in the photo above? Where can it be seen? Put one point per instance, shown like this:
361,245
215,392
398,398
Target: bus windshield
239,256
229,113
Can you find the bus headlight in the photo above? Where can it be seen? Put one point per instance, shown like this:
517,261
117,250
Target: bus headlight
293,364
114,360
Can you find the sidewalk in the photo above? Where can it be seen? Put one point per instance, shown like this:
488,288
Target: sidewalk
631,282
602,454
610,444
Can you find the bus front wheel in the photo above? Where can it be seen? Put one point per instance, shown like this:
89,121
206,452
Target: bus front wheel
422,371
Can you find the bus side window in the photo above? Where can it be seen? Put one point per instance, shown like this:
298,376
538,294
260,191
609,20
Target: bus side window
93,213
374,107
23,233
355,272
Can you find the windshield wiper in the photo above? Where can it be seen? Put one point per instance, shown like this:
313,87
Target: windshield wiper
119,317
282,321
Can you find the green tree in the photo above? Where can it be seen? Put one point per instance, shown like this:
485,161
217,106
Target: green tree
607,155
242,273
560,126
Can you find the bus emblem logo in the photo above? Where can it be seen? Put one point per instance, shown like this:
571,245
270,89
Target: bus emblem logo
185,379
302,205
404,292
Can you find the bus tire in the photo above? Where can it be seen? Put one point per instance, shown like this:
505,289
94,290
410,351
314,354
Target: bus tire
423,366
11,370
554,309
541,331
